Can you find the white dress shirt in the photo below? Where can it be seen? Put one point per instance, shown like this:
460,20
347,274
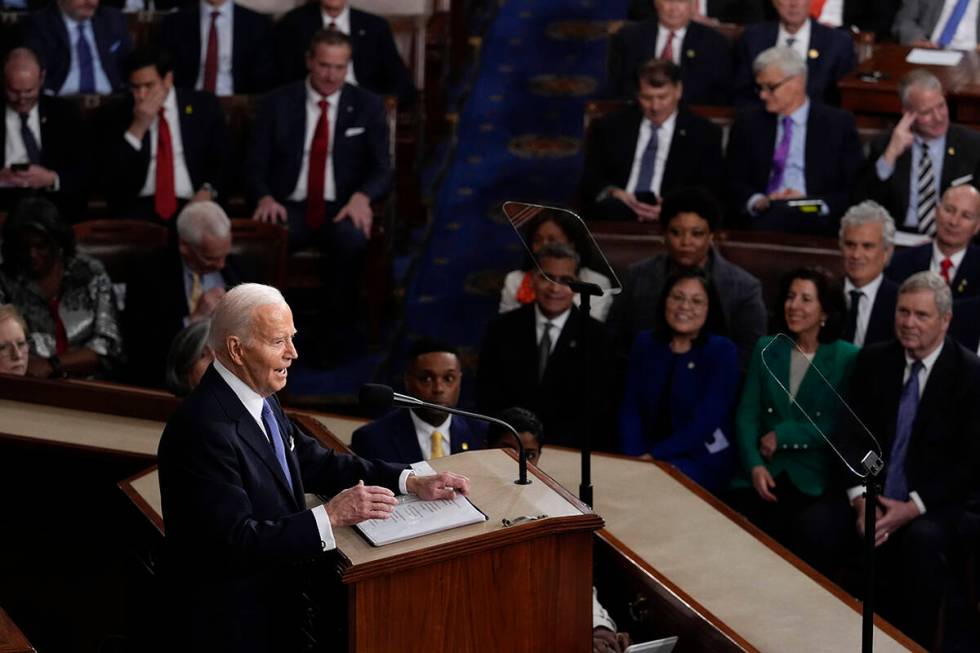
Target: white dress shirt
936,264
70,86
832,14
870,291
14,149
662,34
423,431
225,26
965,37
312,118
664,137
342,23
802,39
557,325
182,179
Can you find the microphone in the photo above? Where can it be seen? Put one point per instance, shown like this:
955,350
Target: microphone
377,398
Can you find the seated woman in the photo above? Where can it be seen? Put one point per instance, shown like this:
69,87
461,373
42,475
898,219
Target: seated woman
13,341
66,298
785,462
682,385
189,357
554,227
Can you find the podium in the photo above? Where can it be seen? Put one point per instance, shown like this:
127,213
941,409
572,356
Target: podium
484,587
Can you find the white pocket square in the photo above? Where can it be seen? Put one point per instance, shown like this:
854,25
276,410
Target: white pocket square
292,443
959,181
354,131
718,443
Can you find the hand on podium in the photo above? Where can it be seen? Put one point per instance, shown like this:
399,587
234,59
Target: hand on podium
360,503
440,486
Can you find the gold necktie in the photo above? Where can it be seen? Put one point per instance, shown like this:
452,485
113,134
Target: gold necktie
196,292
437,451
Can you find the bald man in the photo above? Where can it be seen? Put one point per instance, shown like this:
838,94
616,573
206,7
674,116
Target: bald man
950,254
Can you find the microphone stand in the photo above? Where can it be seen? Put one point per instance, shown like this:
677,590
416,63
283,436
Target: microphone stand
586,291
872,465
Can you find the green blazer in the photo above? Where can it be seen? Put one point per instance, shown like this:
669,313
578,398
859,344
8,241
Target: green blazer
765,406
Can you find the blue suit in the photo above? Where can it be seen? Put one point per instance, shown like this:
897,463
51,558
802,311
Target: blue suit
965,284
703,391
392,438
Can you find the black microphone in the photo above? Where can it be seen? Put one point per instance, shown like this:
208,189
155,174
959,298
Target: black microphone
377,398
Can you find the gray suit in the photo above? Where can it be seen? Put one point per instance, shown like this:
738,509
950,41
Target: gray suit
739,293
917,19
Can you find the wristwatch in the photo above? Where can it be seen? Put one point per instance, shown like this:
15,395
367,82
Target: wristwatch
211,189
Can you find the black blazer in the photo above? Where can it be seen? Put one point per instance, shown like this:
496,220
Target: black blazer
706,62
392,438
377,65
45,33
881,323
360,151
965,284
251,54
63,143
726,11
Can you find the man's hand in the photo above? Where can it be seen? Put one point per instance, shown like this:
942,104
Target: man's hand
206,305
145,110
360,503
39,368
924,43
858,504
441,486
785,194
269,210
761,205
34,177
606,641
901,139
896,514
767,445
202,196
358,209
763,483
644,212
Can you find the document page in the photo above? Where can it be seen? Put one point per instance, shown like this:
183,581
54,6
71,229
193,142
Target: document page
923,57
414,517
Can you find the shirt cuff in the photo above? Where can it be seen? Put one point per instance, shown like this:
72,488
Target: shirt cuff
752,200
403,481
56,186
327,543
855,492
917,500
882,169
134,142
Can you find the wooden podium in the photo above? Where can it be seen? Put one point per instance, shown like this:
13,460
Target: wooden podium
484,587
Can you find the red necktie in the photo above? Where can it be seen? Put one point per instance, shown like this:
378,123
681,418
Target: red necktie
60,335
816,8
667,54
315,204
165,201
211,60
944,267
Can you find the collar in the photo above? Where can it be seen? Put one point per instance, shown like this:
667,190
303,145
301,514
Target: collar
224,10
931,142
252,400
313,97
170,103
342,21
72,24
938,256
426,429
869,289
30,114
666,125
800,116
801,35
558,322
678,33
929,360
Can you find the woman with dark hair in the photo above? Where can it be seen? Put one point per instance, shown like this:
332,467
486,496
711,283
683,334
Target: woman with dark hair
526,424
189,358
785,462
682,384
554,227
66,298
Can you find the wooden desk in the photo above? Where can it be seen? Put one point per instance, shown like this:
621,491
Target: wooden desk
11,639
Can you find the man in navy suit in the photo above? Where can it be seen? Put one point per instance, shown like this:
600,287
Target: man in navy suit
233,474
703,54
707,11
950,254
82,46
790,150
240,61
687,151
828,53
408,435
375,64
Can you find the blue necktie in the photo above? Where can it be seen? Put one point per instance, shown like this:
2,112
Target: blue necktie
896,485
648,161
86,69
30,143
953,23
272,428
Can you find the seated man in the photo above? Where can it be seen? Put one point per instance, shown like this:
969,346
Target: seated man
899,176
790,150
703,54
828,53
950,254
709,12
937,24
164,146
637,155
867,240
408,435
81,46
527,425
219,47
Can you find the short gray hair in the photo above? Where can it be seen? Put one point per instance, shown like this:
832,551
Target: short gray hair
186,348
10,312
930,281
867,212
234,314
918,78
786,59
200,218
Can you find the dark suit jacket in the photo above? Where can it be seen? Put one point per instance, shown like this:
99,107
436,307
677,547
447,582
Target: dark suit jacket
962,158
965,327
377,65
234,526
360,151
508,375
832,156
881,322
727,11
965,284
251,56
694,158
392,438
831,56
45,33
706,62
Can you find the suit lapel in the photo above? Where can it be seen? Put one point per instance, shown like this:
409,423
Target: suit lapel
345,113
950,158
678,146
408,447
196,45
776,361
814,132
937,387
239,26
968,270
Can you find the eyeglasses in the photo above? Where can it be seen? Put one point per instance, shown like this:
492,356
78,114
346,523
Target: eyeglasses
696,301
7,349
770,87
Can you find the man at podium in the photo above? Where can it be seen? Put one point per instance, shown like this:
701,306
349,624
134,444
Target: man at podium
233,474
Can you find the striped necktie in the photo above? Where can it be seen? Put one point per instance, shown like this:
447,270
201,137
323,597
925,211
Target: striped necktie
925,210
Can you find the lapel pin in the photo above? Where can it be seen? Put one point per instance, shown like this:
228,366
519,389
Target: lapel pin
690,365
188,110
813,53
465,446
951,151
691,54
960,288
683,132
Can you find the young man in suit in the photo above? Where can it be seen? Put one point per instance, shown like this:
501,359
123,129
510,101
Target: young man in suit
408,435
635,156
233,474
703,54
790,149
936,24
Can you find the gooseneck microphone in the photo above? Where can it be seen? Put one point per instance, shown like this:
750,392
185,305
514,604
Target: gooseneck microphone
377,398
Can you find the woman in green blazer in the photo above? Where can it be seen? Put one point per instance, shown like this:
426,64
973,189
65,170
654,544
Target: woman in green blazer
784,461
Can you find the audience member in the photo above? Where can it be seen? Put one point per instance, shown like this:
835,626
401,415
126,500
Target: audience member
220,47
13,342
867,240
544,355
682,385
708,12
899,176
408,435
828,53
66,298
689,218
554,227
859,15
527,425
81,46
605,637
950,254
793,378
790,150
943,24
637,155
165,146
703,55
189,358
